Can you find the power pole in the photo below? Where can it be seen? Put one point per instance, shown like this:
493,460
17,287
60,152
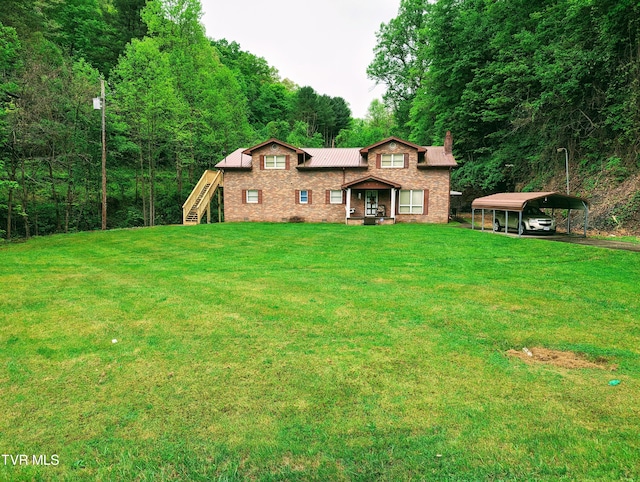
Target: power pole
104,158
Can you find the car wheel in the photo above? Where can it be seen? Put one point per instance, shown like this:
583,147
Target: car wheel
522,229
496,225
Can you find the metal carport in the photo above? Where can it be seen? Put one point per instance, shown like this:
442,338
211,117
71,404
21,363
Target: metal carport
516,202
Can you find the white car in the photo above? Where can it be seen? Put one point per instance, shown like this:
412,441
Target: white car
533,220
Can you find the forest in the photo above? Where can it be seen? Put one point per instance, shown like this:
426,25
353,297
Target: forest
513,80
516,80
176,103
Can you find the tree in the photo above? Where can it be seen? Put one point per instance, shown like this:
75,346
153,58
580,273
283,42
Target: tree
146,99
377,125
9,54
399,61
81,29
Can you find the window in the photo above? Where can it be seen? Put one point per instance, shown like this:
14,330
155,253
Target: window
275,162
335,197
392,160
253,197
411,202
304,197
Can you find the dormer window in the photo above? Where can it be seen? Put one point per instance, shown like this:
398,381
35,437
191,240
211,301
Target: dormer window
275,162
392,160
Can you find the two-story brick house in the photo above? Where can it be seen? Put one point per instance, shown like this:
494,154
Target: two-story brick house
391,181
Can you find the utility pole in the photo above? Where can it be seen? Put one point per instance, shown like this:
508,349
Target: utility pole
104,157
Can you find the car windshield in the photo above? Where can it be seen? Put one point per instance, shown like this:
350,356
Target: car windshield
533,210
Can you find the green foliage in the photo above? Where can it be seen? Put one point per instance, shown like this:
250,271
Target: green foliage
615,168
398,60
299,135
180,104
322,114
514,80
377,125
624,211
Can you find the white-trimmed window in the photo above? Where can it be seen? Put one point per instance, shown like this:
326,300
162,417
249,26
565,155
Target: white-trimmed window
253,196
335,197
304,197
392,160
411,202
275,162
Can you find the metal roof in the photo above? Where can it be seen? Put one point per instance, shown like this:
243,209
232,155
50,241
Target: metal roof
236,160
436,156
347,157
335,157
516,201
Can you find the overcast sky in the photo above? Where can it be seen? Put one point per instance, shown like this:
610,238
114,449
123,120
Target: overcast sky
326,44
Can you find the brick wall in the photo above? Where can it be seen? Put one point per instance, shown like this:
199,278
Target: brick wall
278,189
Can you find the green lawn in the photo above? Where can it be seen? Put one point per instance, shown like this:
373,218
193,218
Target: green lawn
316,352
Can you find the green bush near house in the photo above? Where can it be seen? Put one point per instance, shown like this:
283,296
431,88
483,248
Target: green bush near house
316,352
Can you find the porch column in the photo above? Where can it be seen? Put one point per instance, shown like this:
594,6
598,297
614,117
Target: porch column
393,203
348,206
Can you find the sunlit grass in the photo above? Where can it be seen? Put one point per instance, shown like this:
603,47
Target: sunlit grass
287,352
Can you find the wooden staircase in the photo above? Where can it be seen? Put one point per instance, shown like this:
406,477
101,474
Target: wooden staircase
199,201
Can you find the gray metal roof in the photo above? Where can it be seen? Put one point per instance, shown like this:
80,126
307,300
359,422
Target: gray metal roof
516,201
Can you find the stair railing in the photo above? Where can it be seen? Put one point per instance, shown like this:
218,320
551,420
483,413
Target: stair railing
214,178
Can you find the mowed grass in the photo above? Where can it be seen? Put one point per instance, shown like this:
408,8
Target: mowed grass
316,352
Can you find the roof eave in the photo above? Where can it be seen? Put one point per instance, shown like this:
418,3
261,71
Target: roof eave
329,168
441,166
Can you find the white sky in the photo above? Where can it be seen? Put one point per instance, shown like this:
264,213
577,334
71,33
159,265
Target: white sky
326,44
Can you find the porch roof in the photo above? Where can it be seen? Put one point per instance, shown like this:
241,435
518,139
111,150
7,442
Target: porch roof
371,182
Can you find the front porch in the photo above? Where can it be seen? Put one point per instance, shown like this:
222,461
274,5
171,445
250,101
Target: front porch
371,201
369,221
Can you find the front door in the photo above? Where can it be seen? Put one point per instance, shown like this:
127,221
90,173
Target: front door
371,203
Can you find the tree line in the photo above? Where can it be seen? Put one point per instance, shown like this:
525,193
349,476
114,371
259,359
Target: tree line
515,80
176,103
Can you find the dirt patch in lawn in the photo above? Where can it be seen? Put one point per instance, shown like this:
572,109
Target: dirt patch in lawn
564,359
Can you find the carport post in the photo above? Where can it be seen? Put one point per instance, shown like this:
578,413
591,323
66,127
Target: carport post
473,218
493,221
506,222
482,219
520,224
586,217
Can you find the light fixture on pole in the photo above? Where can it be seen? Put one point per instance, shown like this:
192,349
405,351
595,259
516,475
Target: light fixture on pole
566,163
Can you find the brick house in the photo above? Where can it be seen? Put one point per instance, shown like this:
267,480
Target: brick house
391,181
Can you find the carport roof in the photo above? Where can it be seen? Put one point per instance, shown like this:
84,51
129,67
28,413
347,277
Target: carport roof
516,201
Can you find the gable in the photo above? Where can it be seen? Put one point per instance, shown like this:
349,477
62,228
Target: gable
392,144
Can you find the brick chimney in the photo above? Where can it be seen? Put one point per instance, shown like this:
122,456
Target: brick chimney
448,143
